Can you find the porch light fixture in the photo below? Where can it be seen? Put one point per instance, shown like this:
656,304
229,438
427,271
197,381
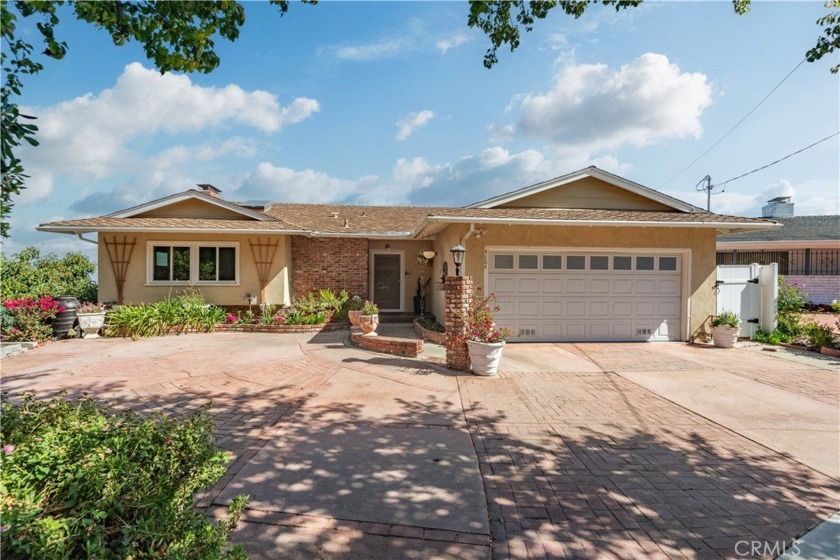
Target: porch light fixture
458,258
429,254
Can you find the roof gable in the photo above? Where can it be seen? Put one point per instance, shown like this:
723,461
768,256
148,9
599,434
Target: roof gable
190,204
589,188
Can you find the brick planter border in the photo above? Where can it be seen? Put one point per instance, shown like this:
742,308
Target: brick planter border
429,336
281,329
405,347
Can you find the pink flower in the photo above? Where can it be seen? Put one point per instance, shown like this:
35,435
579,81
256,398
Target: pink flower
9,449
230,318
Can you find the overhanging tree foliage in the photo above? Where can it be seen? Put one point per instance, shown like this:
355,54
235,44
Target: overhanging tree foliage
176,36
503,20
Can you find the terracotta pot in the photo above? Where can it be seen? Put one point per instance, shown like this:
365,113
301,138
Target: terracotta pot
90,323
368,323
725,337
354,315
485,357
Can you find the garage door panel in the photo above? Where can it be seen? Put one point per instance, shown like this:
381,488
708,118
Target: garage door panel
575,285
528,285
616,303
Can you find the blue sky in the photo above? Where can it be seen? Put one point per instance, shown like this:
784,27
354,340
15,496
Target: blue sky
388,103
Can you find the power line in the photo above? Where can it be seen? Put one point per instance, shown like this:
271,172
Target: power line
724,183
721,139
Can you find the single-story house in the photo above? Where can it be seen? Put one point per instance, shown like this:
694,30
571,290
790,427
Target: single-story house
806,248
586,256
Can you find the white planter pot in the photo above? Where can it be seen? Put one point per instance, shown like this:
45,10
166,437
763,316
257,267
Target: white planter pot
354,315
485,356
368,324
90,323
725,337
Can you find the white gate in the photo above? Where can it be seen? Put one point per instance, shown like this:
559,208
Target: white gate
751,291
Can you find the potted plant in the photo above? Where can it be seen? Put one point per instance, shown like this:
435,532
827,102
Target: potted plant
485,341
354,310
369,319
725,329
91,318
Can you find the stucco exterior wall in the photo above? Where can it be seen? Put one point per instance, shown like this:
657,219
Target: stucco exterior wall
411,268
701,242
193,208
137,291
588,192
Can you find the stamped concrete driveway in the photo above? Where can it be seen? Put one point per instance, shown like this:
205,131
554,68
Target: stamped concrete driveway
576,450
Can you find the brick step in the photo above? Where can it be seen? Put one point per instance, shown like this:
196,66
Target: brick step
399,317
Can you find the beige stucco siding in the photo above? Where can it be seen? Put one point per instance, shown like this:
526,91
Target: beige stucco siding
137,290
588,192
411,268
701,243
193,208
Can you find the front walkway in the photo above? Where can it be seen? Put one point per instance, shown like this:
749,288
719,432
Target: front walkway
577,450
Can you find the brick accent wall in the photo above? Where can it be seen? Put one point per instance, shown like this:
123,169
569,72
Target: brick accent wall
820,289
407,347
458,291
329,262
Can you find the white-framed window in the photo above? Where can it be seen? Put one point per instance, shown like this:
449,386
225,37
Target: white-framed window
179,262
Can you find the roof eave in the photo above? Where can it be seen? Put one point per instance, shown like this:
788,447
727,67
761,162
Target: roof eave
75,230
179,197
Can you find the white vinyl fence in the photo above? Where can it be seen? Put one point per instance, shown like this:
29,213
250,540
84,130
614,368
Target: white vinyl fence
751,291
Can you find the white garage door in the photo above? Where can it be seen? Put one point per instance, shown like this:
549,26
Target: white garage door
549,295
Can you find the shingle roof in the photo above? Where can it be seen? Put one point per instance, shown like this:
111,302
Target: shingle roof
331,218
796,228
595,215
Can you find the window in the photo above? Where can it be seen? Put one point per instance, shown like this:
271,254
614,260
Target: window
528,262
599,263
667,263
503,261
576,262
171,264
216,264
622,263
552,262
192,262
644,263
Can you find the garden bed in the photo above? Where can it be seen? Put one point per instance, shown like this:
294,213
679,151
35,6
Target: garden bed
428,335
282,329
817,350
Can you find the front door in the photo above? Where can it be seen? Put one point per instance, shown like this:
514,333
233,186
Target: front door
387,281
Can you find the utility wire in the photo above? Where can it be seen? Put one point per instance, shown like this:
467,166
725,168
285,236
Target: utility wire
777,161
721,139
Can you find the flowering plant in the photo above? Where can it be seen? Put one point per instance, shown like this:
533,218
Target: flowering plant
88,307
370,308
30,318
231,318
355,304
481,315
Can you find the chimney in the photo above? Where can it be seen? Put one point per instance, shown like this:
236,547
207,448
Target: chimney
210,190
779,207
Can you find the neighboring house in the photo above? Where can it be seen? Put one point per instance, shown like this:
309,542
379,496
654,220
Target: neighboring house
807,249
585,256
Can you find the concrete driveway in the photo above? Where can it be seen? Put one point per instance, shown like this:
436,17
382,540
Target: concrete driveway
576,450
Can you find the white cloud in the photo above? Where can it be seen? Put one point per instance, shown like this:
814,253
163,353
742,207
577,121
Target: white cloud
411,122
385,48
595,108
813,197
87,136
443,45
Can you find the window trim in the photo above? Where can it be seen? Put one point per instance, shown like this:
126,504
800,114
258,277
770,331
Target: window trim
194,247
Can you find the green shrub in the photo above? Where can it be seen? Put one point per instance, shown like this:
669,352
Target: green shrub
370,308
835,307
28,318
30,274
727,319
82,481
789,307
774,337
819,336
186,311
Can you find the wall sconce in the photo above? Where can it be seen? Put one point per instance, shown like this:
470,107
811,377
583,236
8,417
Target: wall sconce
458,258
